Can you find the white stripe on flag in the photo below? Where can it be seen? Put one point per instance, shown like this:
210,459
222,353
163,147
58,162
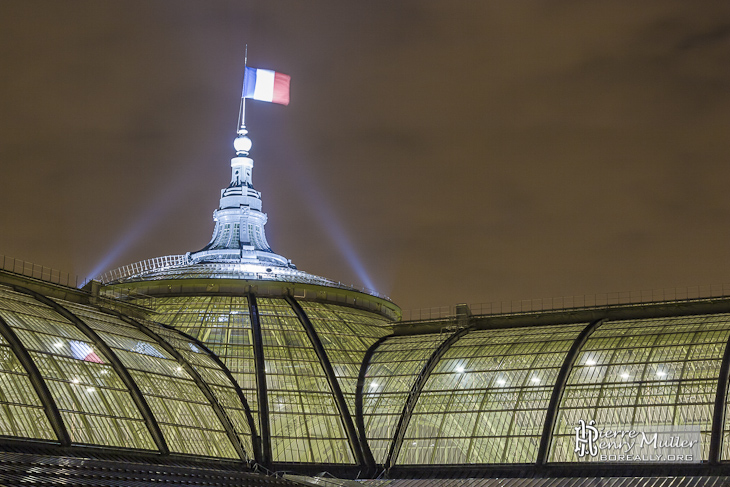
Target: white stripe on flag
264,90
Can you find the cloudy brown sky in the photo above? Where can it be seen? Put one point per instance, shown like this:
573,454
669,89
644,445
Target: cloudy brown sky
461,151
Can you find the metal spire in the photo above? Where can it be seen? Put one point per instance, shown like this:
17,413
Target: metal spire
242,111
239,234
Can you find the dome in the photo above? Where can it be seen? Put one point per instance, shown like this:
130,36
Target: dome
294,347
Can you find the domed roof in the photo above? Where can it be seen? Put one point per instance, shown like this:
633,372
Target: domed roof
292,341
294,348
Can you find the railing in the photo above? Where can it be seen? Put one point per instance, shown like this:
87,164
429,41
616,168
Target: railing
27,269
54,276
158,263
573,302
223,269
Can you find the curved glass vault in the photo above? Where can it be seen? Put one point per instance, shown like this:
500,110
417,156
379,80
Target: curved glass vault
283,380
76,375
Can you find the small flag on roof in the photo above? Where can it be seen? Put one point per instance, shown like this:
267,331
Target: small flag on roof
266,85
83,351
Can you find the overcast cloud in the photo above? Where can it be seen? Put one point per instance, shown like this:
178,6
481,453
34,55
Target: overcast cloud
468,151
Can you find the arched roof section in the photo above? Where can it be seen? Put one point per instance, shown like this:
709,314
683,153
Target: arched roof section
306,426
218,380
329,372
23,414
185,415
223,323
393,369
346,334
487,397
93,401
634,374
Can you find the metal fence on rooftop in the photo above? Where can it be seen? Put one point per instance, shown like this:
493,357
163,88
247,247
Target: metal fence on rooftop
36,271
156,264
179,266
676,294
573,302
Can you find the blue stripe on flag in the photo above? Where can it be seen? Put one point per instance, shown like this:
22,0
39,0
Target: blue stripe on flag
249,82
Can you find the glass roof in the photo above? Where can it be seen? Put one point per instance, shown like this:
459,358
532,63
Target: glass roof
75,371
93,401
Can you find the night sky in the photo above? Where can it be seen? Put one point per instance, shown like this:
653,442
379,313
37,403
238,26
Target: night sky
441,152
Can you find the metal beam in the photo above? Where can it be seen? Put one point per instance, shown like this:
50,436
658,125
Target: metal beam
114,361
39,385
552,409
718,414
410,405
202,385
246,408
359,418
261,387
332,380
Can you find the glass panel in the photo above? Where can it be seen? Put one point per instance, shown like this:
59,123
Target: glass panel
644,373
305,422
224,325
486,399
175,399
393,369
96,407
219,383
346,334
21,411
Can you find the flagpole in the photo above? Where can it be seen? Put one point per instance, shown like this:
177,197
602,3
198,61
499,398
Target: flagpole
242,111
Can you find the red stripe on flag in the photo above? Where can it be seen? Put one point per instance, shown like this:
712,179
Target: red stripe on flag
281,88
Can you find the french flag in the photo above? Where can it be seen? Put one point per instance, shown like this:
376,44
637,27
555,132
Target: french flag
266,85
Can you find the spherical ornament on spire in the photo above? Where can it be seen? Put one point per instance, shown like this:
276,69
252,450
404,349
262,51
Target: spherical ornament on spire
242,144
